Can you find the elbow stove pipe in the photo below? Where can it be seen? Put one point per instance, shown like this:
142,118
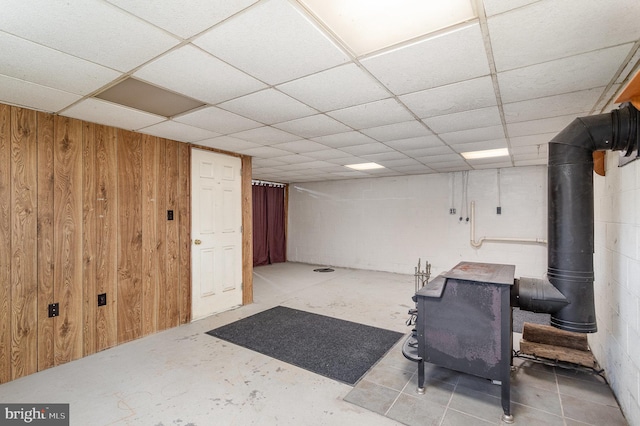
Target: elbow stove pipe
571,214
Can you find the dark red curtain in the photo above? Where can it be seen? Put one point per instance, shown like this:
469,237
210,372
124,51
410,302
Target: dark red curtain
275,224
260,247
269,243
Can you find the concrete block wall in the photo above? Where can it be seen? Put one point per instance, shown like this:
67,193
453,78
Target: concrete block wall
388,223
616,345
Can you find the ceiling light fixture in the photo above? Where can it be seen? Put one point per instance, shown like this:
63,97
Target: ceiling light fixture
365,166
366,26
474,155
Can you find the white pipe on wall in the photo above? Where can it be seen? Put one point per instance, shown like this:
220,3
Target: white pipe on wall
478,244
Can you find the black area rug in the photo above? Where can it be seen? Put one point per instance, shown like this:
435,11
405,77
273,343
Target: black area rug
338,349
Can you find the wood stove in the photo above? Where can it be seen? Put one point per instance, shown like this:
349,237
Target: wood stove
464,324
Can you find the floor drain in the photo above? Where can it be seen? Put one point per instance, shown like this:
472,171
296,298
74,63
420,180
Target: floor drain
323,270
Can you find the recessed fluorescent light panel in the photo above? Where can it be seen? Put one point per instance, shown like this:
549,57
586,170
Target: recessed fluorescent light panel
147,97
364,166
489,153
366,26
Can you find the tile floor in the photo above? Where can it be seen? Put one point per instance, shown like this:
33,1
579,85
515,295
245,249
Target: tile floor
185,377
540,395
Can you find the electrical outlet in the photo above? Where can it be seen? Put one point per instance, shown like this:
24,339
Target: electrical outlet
452,211
54,310
102,299
498,210
169,214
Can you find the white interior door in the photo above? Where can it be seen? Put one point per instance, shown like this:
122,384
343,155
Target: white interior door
216,245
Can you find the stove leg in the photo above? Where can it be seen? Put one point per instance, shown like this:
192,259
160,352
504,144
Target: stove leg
421,377
505,387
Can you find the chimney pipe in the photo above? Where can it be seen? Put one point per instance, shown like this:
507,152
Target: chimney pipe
570,208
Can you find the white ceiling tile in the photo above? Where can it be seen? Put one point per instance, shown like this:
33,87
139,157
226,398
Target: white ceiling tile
265,152
197,74
563,75
442,59
268,106
333,168
336,88
274,32
110,114
484,163
344,139
532,140
551,106
302,146
462,96
78,27
483,117
427,152
494,7
480,146
290,158
227,143
350,174
549,30
326,154
26,94
373,114
63,72
420,142
370,148
306,166
544,125
347,159
378,157
382,172
372,26
313,126
417,169
530,150
217,120
400,162
178,132
265,135
390,132
184,20
473,135
445,160
260,162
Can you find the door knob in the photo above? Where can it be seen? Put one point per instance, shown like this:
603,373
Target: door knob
197,242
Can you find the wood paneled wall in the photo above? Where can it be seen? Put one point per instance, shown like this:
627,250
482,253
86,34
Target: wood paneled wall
83,211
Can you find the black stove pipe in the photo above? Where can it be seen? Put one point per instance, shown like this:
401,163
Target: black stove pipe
570,208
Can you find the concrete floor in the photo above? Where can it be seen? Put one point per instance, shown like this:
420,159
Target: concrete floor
185,377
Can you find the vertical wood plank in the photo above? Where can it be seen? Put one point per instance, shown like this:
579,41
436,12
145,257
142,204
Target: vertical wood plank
151,177
129,236
89,239
247,232
184,217
169,302
5,246
161,235
106,140
68,238
24,291
46,339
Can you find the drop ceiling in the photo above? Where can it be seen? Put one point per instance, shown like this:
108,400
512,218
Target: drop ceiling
277,82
